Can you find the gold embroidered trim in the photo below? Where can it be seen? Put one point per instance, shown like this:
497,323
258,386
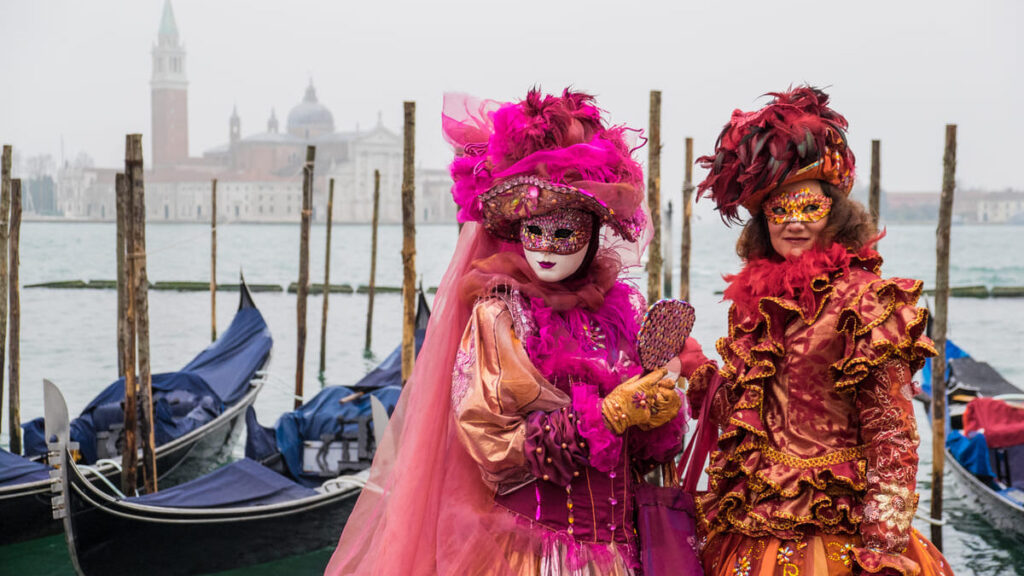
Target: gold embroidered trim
838,457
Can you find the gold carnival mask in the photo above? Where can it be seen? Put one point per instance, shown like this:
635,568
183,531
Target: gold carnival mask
800,205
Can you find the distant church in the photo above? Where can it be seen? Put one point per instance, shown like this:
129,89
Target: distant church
260,175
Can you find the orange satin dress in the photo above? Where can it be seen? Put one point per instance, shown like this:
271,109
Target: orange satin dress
816,466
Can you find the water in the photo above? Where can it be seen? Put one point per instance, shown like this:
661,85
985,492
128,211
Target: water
69,336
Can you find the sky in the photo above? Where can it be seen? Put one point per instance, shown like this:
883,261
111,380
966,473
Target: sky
76,74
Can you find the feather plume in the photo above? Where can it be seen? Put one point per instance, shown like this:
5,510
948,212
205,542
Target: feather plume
757,151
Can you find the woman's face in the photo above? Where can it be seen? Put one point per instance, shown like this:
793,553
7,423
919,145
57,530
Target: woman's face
796,213
556,243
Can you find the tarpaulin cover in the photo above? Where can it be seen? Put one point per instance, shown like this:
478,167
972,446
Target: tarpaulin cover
952,352
1002,423
242,483
182,401
16,469
320,417
231,362
971,451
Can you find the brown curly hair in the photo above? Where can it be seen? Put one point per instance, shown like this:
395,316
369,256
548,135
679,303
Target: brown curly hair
848,224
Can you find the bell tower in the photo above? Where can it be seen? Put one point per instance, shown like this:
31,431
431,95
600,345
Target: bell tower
235,133
169,94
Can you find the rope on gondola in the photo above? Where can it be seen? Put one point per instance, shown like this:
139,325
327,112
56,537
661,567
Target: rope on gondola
279,385
930,520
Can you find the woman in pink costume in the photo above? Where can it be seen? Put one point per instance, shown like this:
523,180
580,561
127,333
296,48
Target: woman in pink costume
816,466
517,443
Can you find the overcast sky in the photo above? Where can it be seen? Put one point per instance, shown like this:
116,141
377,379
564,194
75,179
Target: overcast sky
78,72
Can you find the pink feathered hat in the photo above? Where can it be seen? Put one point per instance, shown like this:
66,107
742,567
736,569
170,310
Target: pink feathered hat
524,159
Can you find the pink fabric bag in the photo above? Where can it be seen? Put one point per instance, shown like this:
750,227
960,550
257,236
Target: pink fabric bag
667,516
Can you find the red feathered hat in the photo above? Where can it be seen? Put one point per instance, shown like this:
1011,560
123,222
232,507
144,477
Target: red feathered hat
795,137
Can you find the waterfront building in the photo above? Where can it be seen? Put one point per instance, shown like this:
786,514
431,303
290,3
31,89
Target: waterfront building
259,175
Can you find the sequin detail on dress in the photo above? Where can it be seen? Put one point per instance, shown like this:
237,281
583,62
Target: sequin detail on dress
462,373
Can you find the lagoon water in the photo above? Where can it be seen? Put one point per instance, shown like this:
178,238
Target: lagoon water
69,336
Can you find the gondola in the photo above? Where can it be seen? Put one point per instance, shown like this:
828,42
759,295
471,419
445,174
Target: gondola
985,439
261,508
198,413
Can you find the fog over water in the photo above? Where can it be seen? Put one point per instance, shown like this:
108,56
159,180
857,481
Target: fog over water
76,80
78,72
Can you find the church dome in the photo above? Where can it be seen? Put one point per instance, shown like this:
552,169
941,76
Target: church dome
310,118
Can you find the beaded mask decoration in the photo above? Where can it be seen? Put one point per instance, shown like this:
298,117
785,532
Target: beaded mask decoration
800,205
565,231
663,332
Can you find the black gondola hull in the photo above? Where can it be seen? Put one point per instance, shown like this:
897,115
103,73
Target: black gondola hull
25,513
994,508
112,537
25,508
982,380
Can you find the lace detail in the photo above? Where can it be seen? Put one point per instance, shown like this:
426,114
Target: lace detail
522,318
463,372
893,506
888,427
893,438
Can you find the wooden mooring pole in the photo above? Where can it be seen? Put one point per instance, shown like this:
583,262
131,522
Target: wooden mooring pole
213,261
327,282
136,187
126,334
687,240
303,288
667,288
14,348
409,241
5,207
875,189
373,260
122,289
654,198
939,330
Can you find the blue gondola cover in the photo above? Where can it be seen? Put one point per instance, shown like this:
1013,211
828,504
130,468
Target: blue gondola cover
319,417
182,401
952,353
971,451
242,483
17,470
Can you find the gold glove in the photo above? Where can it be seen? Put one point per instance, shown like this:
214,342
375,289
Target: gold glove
629,403
665,406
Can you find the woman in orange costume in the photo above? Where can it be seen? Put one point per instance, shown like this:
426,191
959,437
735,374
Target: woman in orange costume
816,465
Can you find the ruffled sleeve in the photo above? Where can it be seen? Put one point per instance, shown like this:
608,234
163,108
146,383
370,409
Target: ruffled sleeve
884,344
881,321
889,435
495,388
